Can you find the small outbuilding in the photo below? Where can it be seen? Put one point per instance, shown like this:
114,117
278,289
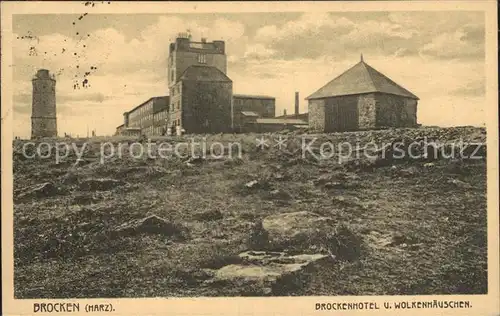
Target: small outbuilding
361,98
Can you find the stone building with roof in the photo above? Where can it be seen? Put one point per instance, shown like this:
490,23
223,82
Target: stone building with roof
249,107
201,93
143,118
361,98
203,101
201,98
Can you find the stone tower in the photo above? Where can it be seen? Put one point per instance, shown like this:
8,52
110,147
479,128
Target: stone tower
43,113
184,54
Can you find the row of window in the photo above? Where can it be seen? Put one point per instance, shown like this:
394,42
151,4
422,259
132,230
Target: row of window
161,115
142,110
141,120
154,130
159,130
175,105
148,130
202,59
176,122
175,90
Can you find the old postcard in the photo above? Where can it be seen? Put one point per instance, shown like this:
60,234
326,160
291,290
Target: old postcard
250,158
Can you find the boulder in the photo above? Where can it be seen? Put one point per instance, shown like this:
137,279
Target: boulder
271,273
82,162
305,232
393,240
323,179
279,176
337,181
100,184
84,199
151,225
17,155
279,195
459,183
195,160
334,185
211,215
40,190
252,184
69,178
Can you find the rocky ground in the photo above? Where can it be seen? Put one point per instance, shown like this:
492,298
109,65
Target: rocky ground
270,222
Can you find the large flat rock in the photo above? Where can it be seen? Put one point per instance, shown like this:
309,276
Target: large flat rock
271,273
305,232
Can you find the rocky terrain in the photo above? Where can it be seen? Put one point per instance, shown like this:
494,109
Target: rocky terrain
271,222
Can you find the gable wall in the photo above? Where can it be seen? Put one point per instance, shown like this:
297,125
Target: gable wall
317,115
395,111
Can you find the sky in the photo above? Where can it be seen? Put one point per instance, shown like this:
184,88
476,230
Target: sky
437,55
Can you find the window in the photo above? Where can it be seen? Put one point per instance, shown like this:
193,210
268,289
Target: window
202,58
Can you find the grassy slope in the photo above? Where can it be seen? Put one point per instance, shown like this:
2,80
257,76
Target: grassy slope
62,248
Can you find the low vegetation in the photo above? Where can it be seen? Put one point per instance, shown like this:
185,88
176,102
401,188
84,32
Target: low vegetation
160,227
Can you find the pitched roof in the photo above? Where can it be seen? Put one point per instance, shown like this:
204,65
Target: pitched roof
204,73
273,120
300,116
361,78
248,96
249,113
166,98
161,104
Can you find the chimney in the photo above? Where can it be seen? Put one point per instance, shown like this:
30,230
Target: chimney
284,112
296,104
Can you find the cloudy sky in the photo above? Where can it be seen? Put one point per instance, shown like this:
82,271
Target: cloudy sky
439,56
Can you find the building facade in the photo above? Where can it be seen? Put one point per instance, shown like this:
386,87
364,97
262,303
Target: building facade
143,117
274,124
247,106
43,115
203,101
160,124
184,53
200,97
361,98
200,91
120,129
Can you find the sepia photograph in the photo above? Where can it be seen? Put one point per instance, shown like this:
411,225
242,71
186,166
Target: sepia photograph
335,152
